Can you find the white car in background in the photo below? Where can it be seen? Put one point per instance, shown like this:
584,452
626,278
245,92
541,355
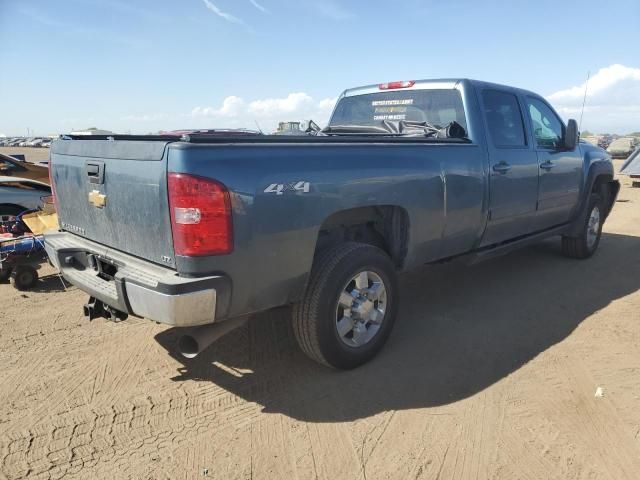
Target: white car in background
621,147
35,142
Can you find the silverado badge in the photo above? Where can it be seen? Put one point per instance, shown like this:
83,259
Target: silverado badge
97,199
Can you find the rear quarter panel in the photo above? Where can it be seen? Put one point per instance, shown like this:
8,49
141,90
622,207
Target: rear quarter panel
275,235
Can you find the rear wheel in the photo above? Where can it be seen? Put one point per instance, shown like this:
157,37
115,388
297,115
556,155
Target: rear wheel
349,307
586,243
24,277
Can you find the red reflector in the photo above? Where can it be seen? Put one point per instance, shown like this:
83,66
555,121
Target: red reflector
200,216
394,85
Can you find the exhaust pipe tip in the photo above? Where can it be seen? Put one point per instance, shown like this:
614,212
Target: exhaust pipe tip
200,338
188,346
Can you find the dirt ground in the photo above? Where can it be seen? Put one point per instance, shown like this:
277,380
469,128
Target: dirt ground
30,154
491,373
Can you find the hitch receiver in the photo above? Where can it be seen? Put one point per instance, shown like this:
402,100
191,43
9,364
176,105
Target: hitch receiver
95,308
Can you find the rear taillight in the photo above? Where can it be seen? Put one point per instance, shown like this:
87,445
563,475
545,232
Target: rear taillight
200,216
394,85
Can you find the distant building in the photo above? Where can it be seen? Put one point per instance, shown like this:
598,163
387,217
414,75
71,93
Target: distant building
92,131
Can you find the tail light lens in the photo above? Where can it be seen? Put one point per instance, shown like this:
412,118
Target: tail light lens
395,85
200,216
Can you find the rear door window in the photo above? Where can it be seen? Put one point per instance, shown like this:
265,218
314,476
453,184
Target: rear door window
504,119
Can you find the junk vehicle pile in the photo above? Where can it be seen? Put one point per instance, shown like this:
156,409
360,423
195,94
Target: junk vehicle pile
201,230
23,194
21,249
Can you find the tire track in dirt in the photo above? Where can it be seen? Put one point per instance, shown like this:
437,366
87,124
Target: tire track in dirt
106,401
133,429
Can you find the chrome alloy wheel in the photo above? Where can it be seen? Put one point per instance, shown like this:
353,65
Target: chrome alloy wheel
361,309
593,227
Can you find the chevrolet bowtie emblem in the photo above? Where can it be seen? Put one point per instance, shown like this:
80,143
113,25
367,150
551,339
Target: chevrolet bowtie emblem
97,199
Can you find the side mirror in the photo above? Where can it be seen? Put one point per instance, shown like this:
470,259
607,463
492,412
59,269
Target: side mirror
571,135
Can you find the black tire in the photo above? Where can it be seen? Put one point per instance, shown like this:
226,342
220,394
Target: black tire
5,274
580,247
315,317
24,277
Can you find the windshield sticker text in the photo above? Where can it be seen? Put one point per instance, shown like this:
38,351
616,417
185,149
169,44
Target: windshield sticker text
380,103
389,117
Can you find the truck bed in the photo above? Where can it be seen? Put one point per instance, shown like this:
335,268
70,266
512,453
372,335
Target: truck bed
441,189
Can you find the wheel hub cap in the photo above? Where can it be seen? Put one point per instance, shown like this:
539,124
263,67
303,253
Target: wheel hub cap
361,309
593,227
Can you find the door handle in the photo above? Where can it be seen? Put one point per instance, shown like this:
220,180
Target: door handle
548,165
502,167
95,172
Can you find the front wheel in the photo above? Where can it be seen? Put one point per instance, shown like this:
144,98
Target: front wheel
349,307
585,245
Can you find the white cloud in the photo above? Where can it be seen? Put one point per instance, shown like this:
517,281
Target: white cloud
231,106
327,104
236,112
613,100
258,6
227,16
294,102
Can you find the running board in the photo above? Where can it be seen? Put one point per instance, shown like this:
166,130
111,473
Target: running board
490,252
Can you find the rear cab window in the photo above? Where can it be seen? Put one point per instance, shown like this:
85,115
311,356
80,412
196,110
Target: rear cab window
438,107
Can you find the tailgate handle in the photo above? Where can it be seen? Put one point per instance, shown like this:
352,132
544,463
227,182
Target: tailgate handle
95,172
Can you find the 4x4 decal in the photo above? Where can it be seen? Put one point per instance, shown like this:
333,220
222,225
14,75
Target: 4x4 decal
281,188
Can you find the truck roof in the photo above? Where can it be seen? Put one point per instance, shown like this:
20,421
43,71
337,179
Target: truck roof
438,83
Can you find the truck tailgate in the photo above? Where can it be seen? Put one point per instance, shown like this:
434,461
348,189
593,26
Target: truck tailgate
115,193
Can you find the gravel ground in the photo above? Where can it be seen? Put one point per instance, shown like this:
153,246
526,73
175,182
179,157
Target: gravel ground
491,373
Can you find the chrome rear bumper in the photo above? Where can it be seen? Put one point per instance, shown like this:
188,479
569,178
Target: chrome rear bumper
135,286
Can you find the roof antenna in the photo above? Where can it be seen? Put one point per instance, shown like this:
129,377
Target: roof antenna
584,100
258,125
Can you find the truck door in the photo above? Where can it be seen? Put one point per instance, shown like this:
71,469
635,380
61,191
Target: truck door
513,176
560,170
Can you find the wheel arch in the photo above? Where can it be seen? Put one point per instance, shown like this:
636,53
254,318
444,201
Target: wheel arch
383,226
600,180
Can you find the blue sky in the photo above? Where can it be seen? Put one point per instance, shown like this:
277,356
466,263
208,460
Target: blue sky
148,65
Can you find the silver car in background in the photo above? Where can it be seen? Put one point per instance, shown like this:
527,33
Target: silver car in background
621,147
19,194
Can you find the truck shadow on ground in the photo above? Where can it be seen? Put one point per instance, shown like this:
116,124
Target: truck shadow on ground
460,329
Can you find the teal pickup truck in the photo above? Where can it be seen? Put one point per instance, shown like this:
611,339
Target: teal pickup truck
201,230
